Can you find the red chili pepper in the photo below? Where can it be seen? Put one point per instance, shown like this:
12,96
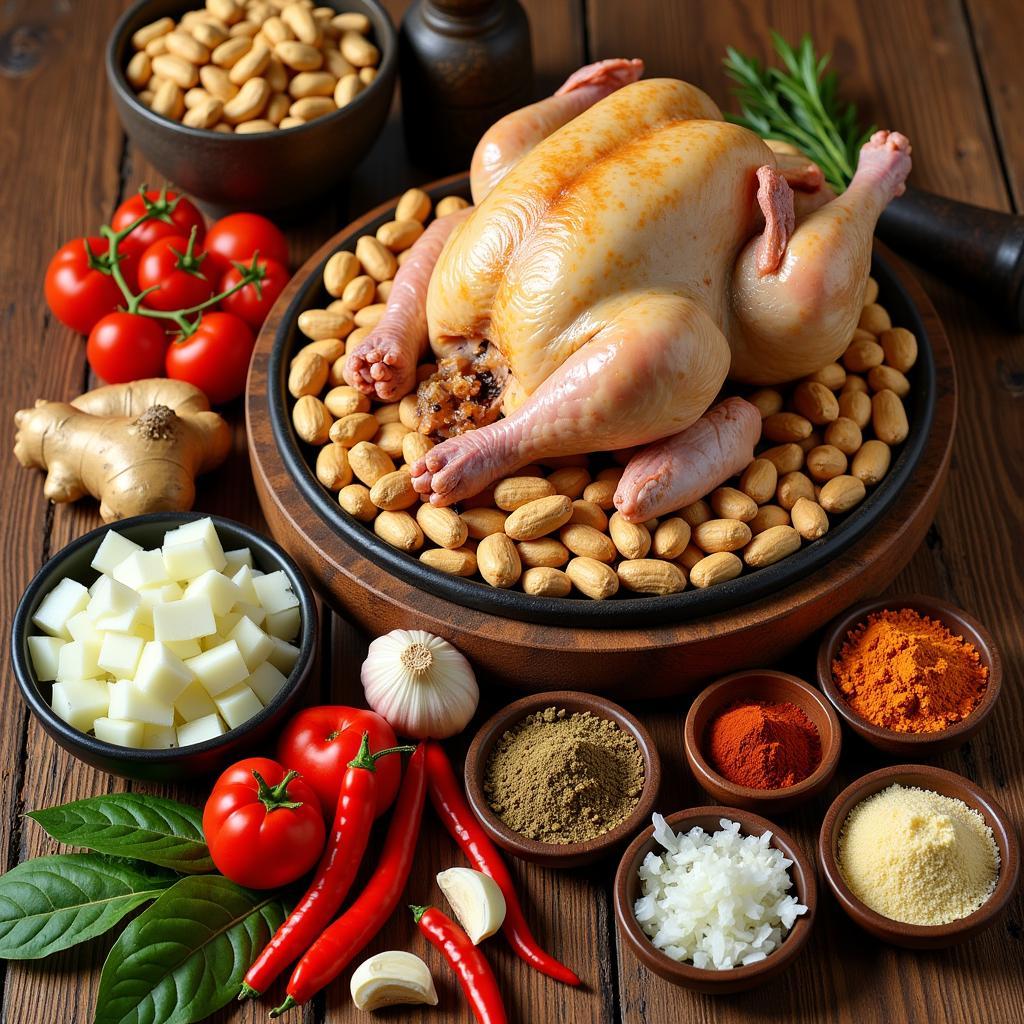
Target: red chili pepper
334,874
349,935
447,797
475,974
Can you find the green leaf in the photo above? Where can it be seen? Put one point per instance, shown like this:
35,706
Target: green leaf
53,903
186,955
147,828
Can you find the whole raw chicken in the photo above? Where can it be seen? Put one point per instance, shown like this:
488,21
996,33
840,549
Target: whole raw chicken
629,250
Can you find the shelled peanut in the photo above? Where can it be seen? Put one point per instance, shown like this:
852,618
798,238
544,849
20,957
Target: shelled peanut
552,529
248,66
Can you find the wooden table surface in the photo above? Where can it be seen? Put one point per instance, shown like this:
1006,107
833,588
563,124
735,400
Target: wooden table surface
946,72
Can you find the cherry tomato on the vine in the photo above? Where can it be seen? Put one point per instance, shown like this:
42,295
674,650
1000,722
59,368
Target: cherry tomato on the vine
237,237
263,824
176,275
123,347
178,221
214,357
253,308
77,291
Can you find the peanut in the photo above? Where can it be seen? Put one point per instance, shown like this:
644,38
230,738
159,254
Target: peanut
415,446
210,33
498,561
339,270
308,374
227,11
369,316
345,400
204,114
871,463
394,491
139,70
833,376
311,83
844,434
182,72
355,500
398,529
767,517
322,323
358,50
632,540
771,546
248,104
882,378
809,519
352,429
853,382
856,406
815,402
825,462
351,22
444,526
690,557
539,517
312,107
767,401
450,204
368,462
359,292
870,292
231,51
378,261
482,522
862,355
586,513
545,581
759,480
587,542
592,578
651,576
332,468
696,513
874,318
793,486
168,100
785,427
311,420
216,82
514,491
888,417
545,551
295,55
154,30
301,21
900,347
455,562
786,458
601,493
670,538
841,493
721,535
719,567
414,205
729,503
399,235
348,88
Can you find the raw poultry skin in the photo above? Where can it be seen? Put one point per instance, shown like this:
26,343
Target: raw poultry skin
629,251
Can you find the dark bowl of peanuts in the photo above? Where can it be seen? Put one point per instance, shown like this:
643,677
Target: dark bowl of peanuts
253,104
835,452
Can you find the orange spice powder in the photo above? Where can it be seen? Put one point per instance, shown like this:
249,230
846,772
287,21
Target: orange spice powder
908,673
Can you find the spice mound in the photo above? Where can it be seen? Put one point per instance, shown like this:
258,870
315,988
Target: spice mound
561,778
918,857
908,673
717,901
763,745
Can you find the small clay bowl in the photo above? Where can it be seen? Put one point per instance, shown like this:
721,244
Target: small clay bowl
913,745
555,855
700,979
767,685
916,936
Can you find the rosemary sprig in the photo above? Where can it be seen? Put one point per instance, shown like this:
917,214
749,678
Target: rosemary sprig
799,104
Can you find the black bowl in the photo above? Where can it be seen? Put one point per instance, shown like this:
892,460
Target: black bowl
283,169
620,611
176,763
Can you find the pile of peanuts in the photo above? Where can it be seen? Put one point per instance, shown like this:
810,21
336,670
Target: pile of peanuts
825,440
247,66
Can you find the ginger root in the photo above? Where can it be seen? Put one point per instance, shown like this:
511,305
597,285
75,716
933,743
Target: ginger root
135,447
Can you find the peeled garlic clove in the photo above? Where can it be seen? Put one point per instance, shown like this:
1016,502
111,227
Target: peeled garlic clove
475,898
391,978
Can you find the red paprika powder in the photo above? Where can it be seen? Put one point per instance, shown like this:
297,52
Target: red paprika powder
763,745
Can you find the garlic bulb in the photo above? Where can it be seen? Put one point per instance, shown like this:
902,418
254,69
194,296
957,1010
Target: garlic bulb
420,684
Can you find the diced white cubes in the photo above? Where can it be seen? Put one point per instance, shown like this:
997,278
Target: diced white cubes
254,644
236,559
129,700
219,668
275,592
284,655
266,682
201,729
194,702
79,660
141,570
113,605
113,549
119,654
246,591
122,733
284,624
187,619
80,701
159,737
162,674
237,705
192,549
219,590
45,653
66,599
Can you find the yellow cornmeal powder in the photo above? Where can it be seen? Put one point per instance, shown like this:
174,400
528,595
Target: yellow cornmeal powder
918,857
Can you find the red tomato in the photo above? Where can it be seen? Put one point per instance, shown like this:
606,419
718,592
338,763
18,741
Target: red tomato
263,824
80,294
320,742
177,276
253,308
215,357
239,236
178,221
123,347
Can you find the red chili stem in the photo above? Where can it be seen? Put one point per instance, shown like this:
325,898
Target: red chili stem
449,802
351,933
335,873
470,965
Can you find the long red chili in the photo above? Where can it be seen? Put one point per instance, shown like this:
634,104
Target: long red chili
353,819
447,797
475,974
349,935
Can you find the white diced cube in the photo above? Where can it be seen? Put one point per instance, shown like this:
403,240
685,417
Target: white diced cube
254,644
113,606
221,592
187,619
128,700
192,549
236,559
266,682
252,611
66,599
79,702
141,570
219,668
183,648
213,640
194,702
161,673
153,596
120,653
243,580
237,705
159,737
275,592
226,623
45,654
284,655
79,660
121,732
113,549
82,626
285,625
201,729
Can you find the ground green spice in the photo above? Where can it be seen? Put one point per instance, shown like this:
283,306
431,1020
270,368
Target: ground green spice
564,778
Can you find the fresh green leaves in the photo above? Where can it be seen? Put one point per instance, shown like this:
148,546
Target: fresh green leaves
52,903
186,955
799,104
148,828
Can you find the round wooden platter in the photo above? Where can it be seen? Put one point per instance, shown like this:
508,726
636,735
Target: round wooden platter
635,662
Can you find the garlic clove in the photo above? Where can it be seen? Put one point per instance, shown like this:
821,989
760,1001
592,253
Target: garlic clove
391,978
475,898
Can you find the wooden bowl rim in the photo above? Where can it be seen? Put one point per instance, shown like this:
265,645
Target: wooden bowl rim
573,701
955,619
922,776
804,885
717,693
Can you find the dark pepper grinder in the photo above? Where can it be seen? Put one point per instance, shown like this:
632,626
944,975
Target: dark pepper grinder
463,65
